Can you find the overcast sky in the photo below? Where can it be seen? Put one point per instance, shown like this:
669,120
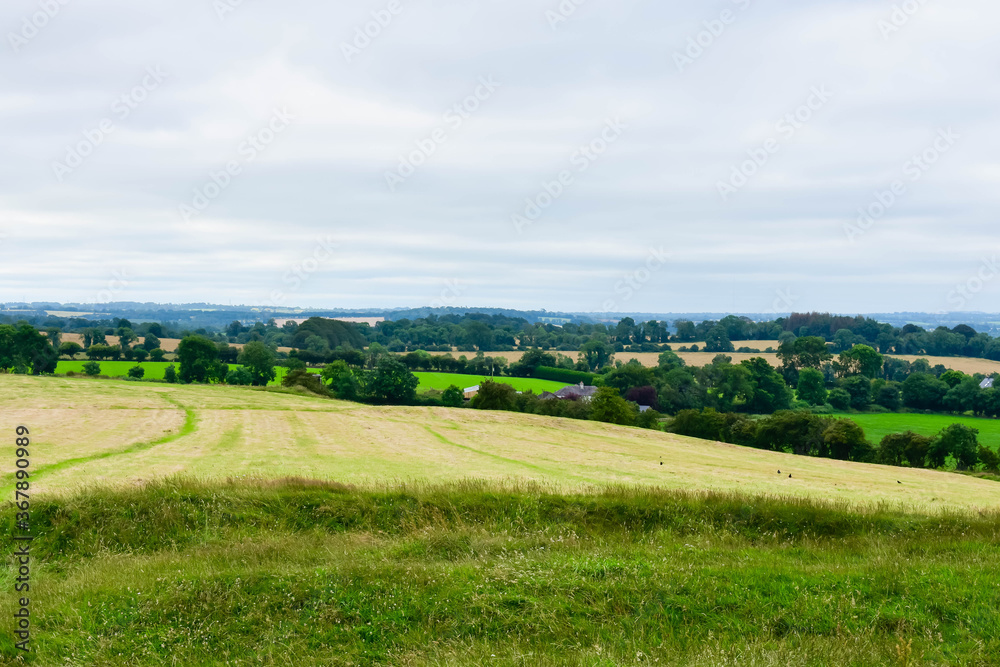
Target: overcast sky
603,156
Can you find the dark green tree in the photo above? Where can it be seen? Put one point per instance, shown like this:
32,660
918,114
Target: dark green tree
258,358
812,386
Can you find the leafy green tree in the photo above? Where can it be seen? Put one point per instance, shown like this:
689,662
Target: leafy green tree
342,380
608,406
686,330
860,360
733,386
839,399
496,396
157,355
805,352
629,376
846,441
139,354
649,419
70,349
924,392
770,393
953,378
390,383
170,374
717,340
668,361
596,353
888,396
965,396
239,376
150,343
957,440
812,386
126,337
258,358
199,360
989,459
453,397
136,372
860,389
92,368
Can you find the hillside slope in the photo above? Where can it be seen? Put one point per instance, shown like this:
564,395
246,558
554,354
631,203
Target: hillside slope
87,431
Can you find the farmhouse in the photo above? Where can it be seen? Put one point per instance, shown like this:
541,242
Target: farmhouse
574,392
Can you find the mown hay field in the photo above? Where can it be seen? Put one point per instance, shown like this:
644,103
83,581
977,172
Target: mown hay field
109,431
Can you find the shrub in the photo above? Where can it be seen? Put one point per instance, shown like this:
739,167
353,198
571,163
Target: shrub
840,399
136,372
608,406
239,377
92,368
494,396
453,397
156,355
648,419
301,377
170,374
563,375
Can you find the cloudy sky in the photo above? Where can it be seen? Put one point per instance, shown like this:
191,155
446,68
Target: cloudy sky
591,155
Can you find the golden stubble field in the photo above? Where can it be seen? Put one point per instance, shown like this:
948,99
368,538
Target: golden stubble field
109,432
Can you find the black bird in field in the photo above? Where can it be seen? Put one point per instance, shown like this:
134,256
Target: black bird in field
898,482
789,475
779,472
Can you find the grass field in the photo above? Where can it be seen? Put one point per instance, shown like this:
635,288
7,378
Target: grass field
154,369
442,381
877,426
285,573
89,431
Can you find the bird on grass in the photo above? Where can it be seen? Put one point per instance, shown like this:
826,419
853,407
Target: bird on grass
789,475
779,472
898,482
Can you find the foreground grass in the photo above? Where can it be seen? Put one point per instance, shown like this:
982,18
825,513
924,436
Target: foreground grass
296,573
877,426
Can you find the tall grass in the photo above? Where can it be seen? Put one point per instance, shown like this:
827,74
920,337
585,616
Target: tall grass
251,572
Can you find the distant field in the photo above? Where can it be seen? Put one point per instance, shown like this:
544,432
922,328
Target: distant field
166,344
442,381
154,369
92,431
880,425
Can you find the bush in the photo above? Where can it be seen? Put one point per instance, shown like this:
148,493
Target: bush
453,397
156,355
170,374
494,396
92,368
301,377
563,375
608,406
840,399
648,419
136,372
240,377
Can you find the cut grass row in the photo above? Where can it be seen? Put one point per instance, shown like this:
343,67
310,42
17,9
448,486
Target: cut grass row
309,574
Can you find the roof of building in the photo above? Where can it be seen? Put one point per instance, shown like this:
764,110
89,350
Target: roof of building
986,384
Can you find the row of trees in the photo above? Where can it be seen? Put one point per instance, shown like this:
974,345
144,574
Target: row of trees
806,434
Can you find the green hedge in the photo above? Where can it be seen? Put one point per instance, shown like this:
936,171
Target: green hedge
564,375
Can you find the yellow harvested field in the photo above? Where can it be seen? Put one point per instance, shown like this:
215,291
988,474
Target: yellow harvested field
166,344
107,431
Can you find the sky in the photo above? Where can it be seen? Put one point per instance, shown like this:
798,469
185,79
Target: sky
583,155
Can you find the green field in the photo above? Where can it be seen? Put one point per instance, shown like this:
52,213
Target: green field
154,369
877,426
442,381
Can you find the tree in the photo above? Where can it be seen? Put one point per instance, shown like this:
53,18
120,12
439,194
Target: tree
888,396
126,337
150,343
70,349
840,399
170,374
26,350
770,393
199,359
860,360
92,368
686,330
964,397
812,386
453,397
258,358
496,396
924,392
608,406
136,372
805,352
667,361
156,355
596,353
845,440
989,459
717,340
390,383
342,380
860,389
733,386
139,354
903,449
239,377
957,440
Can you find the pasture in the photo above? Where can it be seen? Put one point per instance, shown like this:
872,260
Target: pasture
877,426
441,381
154,369
111,431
